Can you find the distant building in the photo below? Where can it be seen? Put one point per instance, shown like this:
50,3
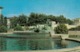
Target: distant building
8,23
77,21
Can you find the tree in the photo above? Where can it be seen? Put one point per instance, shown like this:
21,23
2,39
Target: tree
1,7
61,19
14,21
1,19
61,29
70,22
22,20
51,17
35,18
3,28
18,28
5,21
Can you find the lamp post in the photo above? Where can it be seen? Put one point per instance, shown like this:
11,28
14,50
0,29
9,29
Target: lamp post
27,18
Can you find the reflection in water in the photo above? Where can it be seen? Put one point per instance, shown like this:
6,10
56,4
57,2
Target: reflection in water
2,44
25,44
21,44
40,44
34,44
64,43
60,44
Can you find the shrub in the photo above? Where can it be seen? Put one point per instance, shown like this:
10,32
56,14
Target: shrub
75,29
18,28
27,28
61,29
44,28
37,30
72,29
3,28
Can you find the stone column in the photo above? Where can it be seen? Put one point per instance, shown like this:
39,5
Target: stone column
8,23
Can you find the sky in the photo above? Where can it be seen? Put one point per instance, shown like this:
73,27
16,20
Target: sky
68,8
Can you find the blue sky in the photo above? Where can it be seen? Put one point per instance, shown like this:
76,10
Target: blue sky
68,8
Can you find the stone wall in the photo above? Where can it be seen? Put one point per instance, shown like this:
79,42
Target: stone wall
53,25
74,32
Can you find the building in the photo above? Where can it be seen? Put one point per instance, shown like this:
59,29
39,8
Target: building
8,23
76,23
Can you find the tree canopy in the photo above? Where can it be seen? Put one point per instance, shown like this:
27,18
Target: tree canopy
35,18
3,23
